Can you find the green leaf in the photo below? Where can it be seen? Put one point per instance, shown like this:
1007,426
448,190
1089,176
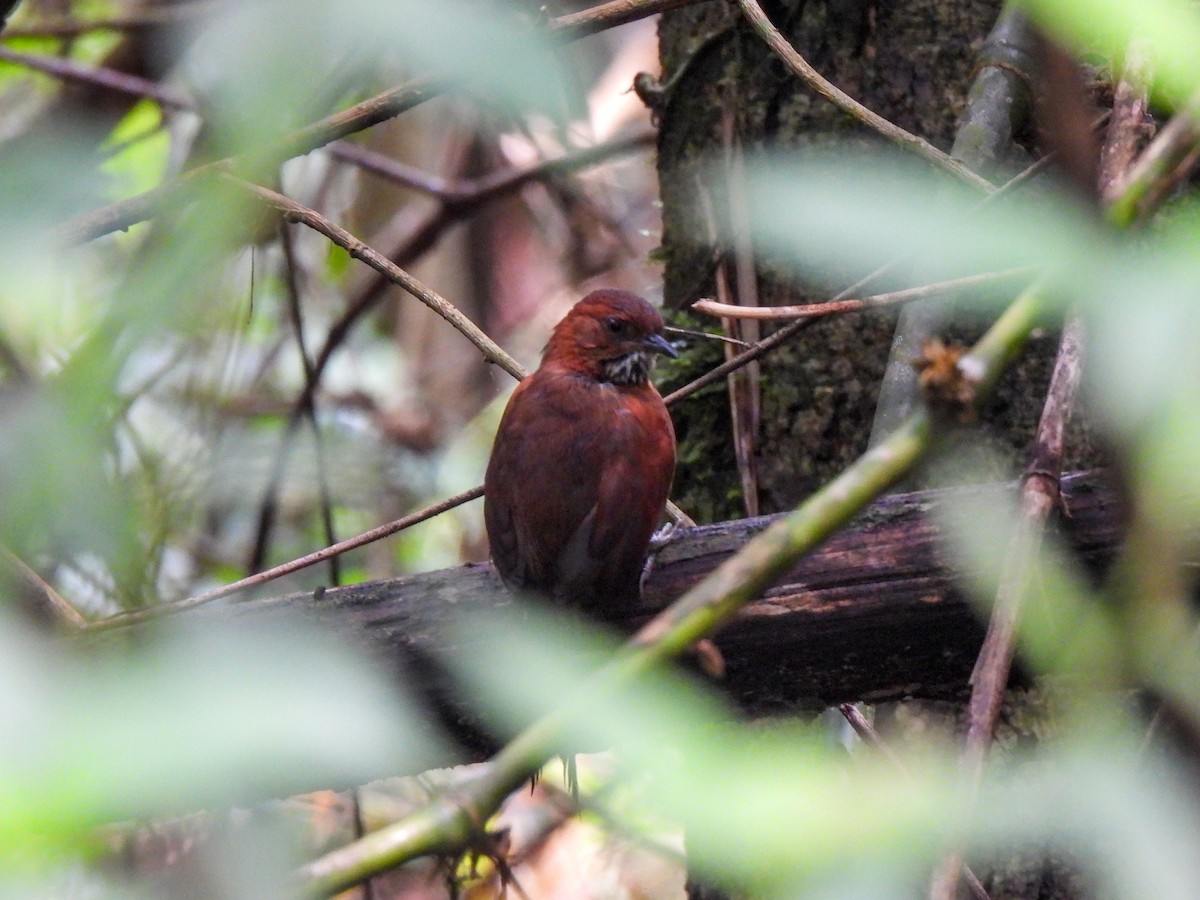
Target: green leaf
265,68
142,147
1169,30
777,809
200,717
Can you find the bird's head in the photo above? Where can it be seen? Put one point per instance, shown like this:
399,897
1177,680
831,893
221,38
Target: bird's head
609,335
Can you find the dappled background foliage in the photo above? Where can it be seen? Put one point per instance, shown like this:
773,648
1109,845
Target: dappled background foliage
225,261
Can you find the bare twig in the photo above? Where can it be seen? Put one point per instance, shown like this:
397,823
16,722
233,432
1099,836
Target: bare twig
55,602
1160,166
297,212
1127,126
71,71
393,170
610,15
380,108
865,730
120,216
294,565
1040,496
705,336
836,307
266,518
843,101
745,398
465,196
148,17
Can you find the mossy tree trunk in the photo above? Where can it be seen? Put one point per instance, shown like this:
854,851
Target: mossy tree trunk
912,61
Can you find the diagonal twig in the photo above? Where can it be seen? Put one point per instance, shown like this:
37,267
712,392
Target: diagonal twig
295,565
62,609
843,101
297,212
1040,496
859,304
1169,157
267,511
866,731
386,105
71,71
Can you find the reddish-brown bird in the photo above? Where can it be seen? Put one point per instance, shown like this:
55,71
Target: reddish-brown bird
583,459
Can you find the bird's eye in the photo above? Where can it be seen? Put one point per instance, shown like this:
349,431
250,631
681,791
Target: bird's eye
615,325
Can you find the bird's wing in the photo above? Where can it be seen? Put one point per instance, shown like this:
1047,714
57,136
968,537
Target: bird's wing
542,478
630,497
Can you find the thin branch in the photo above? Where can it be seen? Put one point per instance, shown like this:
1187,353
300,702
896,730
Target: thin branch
70,71
448,823
873,738
1127,126
297,212
295,565
380,108
610,15
1040,496
393,170
843,101
705,335
834,307
121,215
1140,190
465,196
745,390
489,187
866,731
296,314
149,17
62,609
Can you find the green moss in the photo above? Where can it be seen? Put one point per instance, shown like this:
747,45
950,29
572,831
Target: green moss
706,479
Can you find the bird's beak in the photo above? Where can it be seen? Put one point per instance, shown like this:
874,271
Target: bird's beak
659,344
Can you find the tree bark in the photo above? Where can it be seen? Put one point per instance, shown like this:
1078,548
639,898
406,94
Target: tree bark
911,61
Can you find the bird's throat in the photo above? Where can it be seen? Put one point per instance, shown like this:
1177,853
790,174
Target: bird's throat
630,369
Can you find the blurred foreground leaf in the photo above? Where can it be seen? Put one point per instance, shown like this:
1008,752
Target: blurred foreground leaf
1137,293
271,66
201,717
775,808
1169,29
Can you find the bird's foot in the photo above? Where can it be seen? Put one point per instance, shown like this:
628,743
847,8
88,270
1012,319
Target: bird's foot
659,540
663,536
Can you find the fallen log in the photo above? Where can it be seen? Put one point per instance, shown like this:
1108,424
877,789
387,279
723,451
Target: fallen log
874,614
